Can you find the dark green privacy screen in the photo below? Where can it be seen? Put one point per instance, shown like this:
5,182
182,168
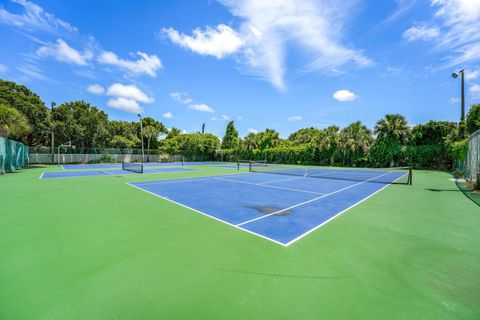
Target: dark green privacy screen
13,155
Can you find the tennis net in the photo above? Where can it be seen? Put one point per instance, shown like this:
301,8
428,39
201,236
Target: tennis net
396,175
136,167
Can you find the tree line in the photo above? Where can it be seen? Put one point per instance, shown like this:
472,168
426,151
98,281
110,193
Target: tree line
435,144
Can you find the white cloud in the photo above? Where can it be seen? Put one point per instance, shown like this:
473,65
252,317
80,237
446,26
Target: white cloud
421,33
146,64
225,117
167,115
472,74
96,89
294,118
61,51
252,130
268,28
128,92
454,100
344,95
475,91
201,107
181,97
125,104
3,68
218,42
34,17
239,117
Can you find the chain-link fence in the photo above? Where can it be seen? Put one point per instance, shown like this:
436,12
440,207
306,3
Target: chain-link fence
13,155
64,155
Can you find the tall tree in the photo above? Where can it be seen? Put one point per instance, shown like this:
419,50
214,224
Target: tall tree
328,144
28,103
230,139
268,139
306,135
151,133
13,123
83,124
355,140
251,142
393,126
472,121
432,132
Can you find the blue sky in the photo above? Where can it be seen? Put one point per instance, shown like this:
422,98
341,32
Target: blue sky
265,64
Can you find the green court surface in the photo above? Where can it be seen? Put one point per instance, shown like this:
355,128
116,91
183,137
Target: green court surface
96,248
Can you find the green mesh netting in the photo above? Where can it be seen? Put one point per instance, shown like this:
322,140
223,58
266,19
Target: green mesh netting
13,155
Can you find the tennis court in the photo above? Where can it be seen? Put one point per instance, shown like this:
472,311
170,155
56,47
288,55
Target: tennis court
278,203
99,173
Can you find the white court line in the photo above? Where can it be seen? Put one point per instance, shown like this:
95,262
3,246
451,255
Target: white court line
309,201
113,174
207,215
265,186
338,214
273,181
41,176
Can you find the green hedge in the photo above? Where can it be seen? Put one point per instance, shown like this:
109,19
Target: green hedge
421,157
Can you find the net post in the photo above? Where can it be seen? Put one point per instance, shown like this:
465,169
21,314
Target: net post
250,166
410,175
238,165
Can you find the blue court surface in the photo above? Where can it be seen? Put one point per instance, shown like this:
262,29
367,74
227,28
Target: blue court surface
146,164
98,173
276,207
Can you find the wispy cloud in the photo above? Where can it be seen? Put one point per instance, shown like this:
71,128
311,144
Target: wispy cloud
33,17
33,71
421,33
146,64
294,118
181,97
96,89
475,91
201,107
61,51
344,95
3,68
458,22
402,8
267,28
252,130
184,98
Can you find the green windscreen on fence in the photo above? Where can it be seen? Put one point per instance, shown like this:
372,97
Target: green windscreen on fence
13,155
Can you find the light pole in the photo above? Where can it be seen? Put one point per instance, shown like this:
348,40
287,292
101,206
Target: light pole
53,135
455,75
141,135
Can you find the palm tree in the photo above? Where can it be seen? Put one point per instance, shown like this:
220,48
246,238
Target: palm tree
13,123
150,132
355,140
393,126
251,142
329,143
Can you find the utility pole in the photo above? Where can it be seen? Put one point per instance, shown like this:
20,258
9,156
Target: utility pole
53,135
462,98
203,128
